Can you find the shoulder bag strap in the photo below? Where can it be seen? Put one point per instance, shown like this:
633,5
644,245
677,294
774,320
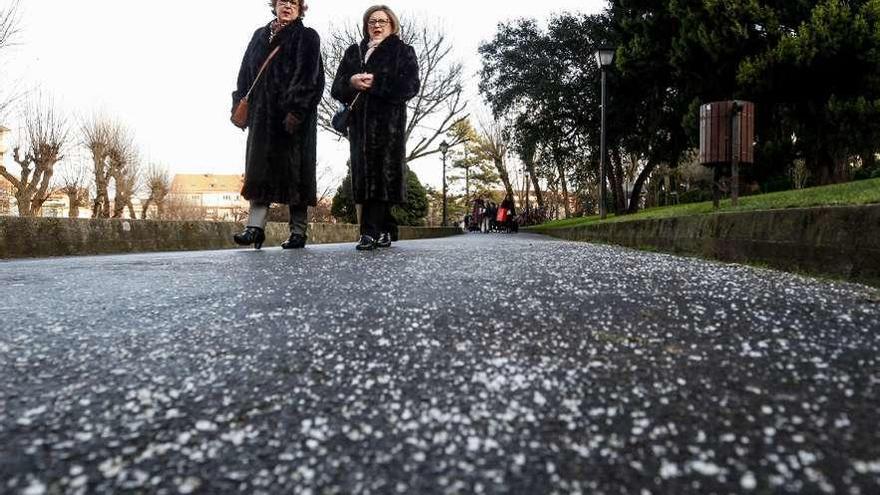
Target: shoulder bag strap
262,69
363,67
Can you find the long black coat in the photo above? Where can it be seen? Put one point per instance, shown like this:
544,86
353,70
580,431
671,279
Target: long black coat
377,132
280,167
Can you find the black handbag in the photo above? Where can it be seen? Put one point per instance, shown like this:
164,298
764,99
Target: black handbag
340,120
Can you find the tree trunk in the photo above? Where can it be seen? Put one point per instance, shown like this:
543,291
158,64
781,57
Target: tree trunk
637,187
44,176
505,179
120,201
869,159
617,184
101,206
73,198
536,183
23,200
564,184
146,207
529,162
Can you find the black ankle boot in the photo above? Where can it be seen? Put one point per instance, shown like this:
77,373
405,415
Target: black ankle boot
384,241
250,235
295,241
366,243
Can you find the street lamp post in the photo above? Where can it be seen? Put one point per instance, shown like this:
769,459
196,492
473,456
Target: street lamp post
526,174
604,58
444,149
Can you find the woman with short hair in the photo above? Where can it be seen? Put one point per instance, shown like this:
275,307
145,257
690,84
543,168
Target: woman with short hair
282,121
377,77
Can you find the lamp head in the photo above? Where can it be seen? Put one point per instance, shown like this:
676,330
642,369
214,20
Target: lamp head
444,147
604,56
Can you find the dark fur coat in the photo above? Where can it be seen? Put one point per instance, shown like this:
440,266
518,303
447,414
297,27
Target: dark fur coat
280,167
377,132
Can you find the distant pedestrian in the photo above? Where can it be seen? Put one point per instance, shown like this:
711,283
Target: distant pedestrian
377,77
282,121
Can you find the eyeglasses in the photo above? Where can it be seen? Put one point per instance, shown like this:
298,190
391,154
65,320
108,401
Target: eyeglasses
378,22
293,3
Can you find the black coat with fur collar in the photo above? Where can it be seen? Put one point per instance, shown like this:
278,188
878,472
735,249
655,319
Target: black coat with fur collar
280,167
377,132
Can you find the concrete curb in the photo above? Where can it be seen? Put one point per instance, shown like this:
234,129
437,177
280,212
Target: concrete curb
49,237
842,242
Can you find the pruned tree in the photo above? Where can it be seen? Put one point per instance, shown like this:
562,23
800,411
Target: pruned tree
74,184
124,169
439,104
97,132
46,135
158,183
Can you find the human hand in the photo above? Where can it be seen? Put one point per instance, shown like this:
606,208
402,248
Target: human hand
362,82
291,122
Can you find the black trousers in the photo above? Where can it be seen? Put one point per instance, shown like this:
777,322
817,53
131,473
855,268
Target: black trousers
376,219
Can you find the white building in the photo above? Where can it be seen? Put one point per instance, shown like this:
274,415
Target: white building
218,195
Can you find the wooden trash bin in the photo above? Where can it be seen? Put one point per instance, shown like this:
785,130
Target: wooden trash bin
727,137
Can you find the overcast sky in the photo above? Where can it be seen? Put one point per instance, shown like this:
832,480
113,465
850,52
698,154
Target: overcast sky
167,67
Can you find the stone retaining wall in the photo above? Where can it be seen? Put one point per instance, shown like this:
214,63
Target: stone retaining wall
47,237
842,242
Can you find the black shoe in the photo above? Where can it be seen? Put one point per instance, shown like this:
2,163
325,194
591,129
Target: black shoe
295,241
366,243
251,235
384,241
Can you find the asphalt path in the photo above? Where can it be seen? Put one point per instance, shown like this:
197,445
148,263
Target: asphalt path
475,364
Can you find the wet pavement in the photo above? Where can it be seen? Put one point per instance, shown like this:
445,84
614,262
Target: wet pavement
474,364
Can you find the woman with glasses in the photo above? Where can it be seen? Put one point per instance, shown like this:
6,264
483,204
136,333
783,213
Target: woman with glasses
377,77
282,121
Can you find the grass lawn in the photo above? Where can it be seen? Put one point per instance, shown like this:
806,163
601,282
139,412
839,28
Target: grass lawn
852,193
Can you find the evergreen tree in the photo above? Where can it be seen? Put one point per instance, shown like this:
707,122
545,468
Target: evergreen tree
413,213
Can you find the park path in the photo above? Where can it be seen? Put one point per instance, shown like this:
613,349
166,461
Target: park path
473,364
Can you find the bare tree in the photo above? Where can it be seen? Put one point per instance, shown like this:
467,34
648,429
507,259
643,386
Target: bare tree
328,182
46,134
158,183
492,144
74,184
439,104
97,132
179,207
9,30
9,22
333,47
124,169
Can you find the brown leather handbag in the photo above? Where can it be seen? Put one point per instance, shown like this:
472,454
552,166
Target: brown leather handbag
240,114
